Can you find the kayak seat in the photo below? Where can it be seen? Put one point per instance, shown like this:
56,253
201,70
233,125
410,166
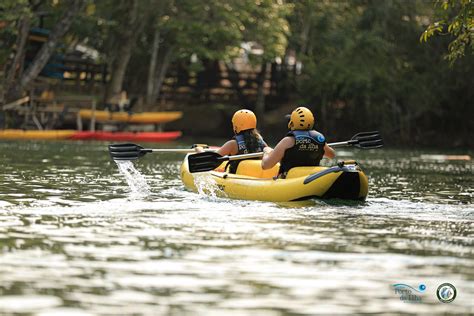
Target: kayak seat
253,168
222,167
297,172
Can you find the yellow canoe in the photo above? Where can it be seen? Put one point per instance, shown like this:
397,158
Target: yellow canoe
49,135
250,182
144,117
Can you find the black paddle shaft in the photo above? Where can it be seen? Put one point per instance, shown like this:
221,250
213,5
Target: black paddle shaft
130,151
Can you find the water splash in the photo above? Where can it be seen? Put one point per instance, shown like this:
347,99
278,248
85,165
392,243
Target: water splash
206,185
135,180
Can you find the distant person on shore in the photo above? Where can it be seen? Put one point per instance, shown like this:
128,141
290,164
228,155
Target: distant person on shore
246,140
302,146
47,95
118,102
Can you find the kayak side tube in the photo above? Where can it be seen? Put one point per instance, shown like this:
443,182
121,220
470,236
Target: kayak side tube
351,184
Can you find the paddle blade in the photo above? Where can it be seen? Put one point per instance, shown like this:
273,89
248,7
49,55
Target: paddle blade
205,161
368,140
126,151
365,136
371,144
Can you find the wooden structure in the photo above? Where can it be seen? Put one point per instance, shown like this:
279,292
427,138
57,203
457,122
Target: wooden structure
44,113
233,83
236,83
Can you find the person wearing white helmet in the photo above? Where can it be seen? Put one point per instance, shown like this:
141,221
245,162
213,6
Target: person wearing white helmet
302,146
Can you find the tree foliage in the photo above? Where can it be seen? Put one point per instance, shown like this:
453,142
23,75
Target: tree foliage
457,20
358,64
364,68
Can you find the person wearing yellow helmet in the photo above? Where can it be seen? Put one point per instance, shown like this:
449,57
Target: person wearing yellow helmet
302,146
246,140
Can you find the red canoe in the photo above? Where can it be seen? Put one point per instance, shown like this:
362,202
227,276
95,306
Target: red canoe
127,136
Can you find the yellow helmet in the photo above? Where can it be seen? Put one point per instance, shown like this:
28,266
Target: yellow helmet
301,119
243,120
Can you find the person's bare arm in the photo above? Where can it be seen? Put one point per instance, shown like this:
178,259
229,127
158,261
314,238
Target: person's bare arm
329,152
229,148
272,156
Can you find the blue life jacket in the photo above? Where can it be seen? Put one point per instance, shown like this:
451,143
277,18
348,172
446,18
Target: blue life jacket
245,148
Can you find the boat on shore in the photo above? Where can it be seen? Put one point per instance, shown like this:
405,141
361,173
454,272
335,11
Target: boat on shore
18,134
143,118
344,181
36,134
127,136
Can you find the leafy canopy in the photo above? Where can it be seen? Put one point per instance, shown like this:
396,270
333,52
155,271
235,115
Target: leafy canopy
457,20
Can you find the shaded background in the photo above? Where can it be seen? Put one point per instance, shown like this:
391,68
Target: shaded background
359,65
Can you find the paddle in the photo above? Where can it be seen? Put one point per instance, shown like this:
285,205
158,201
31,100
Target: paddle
207,161
130,151
364,140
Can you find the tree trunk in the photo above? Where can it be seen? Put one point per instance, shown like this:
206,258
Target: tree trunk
161,71
127,41
15,70
150,88
260,104
48,48
324,114
305,37
119,68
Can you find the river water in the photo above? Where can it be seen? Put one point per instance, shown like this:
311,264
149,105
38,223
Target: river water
76,238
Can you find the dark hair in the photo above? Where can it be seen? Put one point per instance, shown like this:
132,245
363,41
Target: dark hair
252,138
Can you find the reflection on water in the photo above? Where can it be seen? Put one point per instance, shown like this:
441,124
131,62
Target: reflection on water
74,238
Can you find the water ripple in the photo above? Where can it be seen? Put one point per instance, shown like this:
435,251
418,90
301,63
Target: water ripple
76,239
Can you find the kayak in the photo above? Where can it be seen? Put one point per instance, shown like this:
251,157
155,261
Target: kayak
144,117
344,181
127,136
47,135
87,135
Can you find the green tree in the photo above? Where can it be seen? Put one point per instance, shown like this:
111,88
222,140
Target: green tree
21,14
212,30
15,17
457,20
267,25
131,18
364,68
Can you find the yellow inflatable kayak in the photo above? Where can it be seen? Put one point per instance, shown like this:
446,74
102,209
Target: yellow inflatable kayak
145,117
344,181
47,135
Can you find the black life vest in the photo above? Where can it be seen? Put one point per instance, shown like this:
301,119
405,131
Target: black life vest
245,148
307,151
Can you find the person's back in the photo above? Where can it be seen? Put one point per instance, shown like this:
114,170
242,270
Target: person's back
302,146
308,150
246,139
